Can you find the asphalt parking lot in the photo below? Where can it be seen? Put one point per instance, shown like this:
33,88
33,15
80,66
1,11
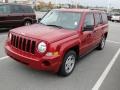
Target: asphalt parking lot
98,70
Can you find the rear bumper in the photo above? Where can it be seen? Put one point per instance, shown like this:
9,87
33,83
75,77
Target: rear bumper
45,63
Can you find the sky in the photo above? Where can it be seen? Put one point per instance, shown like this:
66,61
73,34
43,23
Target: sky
103,3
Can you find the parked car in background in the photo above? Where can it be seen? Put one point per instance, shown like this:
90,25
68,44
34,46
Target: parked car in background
15,15
57,41
109,16
115,17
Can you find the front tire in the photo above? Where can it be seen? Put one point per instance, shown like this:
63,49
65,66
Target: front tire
68,64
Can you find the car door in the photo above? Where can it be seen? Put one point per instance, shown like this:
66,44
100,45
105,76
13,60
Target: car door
104,22
98,28
87,34
5,18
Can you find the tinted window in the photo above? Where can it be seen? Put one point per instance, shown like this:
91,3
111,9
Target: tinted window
89,20
27,9
4,9
104,18
17,9
97,19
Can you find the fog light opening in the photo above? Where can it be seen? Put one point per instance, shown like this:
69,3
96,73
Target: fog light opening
46,63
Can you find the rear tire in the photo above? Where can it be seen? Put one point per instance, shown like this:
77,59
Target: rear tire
68,64
102,44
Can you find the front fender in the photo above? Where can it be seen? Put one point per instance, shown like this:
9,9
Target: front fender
65,47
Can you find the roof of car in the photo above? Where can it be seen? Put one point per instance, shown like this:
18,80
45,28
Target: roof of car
78,10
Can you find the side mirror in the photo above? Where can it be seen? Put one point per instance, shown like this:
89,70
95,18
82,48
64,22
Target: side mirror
88,28
39,20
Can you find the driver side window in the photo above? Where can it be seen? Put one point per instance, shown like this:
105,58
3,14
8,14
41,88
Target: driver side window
89,20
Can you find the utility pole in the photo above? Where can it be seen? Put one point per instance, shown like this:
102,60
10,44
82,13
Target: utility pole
108,7
76,3
72,3
33,4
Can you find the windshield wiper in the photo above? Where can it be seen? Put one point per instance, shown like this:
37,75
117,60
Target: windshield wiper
55,26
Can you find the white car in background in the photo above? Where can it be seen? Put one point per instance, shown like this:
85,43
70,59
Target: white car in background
115,17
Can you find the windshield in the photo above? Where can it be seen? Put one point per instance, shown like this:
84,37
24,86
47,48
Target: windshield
67,20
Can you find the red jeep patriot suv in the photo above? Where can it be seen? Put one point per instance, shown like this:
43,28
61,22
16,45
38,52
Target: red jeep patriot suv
56,42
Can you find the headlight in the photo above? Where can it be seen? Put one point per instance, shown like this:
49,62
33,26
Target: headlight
42,47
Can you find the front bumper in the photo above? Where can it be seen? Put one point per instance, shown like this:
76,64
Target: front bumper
40,63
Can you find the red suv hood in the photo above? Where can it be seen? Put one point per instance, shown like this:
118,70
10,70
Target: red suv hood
43,32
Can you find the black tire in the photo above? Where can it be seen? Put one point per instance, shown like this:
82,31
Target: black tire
63,71
27,23
102,44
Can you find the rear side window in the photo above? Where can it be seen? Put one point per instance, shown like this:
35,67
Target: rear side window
104,18
17,9
27,9
4,9
89,20
97,19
